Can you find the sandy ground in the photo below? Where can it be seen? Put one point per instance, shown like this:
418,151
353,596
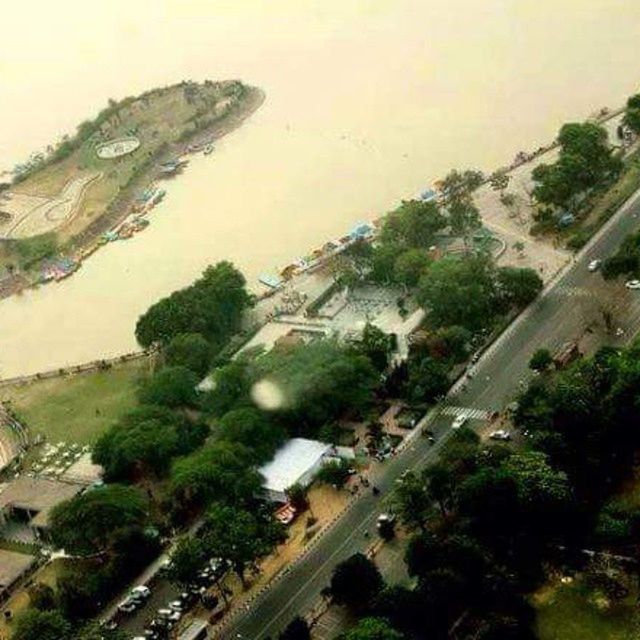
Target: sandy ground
33,215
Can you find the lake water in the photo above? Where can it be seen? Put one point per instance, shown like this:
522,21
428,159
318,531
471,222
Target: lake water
367,102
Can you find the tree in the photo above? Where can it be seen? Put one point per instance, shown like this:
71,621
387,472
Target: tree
297,629
460,185
518,287
632,113
428,378
317,382
212,306
146,440
253,429
439,479
42,596
355,582
412,225
190,350
459,291
240,536
297,496
585,160
102,512
218,471
376,345
170,387
464,217
335,473
231,386
499,180
41,625
372,629
412,502
187,561
410,265
541,360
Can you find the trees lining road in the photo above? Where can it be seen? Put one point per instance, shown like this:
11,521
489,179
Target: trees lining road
549,322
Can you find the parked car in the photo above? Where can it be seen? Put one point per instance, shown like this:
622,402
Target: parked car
500,434
164,613
141,592
176,605
459,421
594,265
632,284
128,605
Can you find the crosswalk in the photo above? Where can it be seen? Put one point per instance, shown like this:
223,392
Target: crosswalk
468,412
572,292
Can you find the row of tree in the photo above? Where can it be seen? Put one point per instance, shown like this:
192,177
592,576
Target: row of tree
489,520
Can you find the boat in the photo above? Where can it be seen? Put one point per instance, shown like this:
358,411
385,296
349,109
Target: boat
208,149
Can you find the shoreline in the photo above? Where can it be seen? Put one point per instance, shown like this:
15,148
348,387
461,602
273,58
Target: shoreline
298,269
87,242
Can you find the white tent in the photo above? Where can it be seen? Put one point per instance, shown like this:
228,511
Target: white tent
296,462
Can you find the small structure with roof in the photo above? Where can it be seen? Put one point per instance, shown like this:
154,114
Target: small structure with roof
296,462
30,500
13,566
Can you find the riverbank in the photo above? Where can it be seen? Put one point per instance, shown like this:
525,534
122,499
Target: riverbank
129,197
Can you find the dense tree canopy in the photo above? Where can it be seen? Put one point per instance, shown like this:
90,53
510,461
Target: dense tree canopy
102,512
190,350
316,382
632,113
212,306
240,536
254,429
412,225
146,439
372,629
585,160
220,470
356,582
41,625
170,387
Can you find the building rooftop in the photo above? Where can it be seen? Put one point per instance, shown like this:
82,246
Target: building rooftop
12,566
291,462
37,494
83,471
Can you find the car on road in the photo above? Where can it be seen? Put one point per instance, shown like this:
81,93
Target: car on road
459,421
500,434
632,284
128,605
594,265
141,592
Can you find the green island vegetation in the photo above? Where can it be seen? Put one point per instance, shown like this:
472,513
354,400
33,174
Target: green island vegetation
590,180
174,454
163,120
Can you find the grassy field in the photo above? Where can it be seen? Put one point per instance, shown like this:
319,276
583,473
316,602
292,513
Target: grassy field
572,612
77,408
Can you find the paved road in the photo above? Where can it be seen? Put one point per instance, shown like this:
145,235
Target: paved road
571,305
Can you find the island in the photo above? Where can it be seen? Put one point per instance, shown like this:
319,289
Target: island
100,184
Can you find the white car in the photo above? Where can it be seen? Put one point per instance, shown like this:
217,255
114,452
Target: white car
500,434
632,284
594,265
459,422
141,591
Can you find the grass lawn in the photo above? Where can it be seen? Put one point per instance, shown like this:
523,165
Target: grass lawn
572,612
77,408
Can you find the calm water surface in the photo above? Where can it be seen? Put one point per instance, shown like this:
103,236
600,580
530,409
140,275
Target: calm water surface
367,102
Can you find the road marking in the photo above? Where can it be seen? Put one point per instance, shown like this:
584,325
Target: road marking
572,292
467,412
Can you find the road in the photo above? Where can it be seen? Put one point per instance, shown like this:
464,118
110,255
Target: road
569,306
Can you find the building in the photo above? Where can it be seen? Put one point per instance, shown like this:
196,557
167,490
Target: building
13,566
83,471
296,462
30,500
